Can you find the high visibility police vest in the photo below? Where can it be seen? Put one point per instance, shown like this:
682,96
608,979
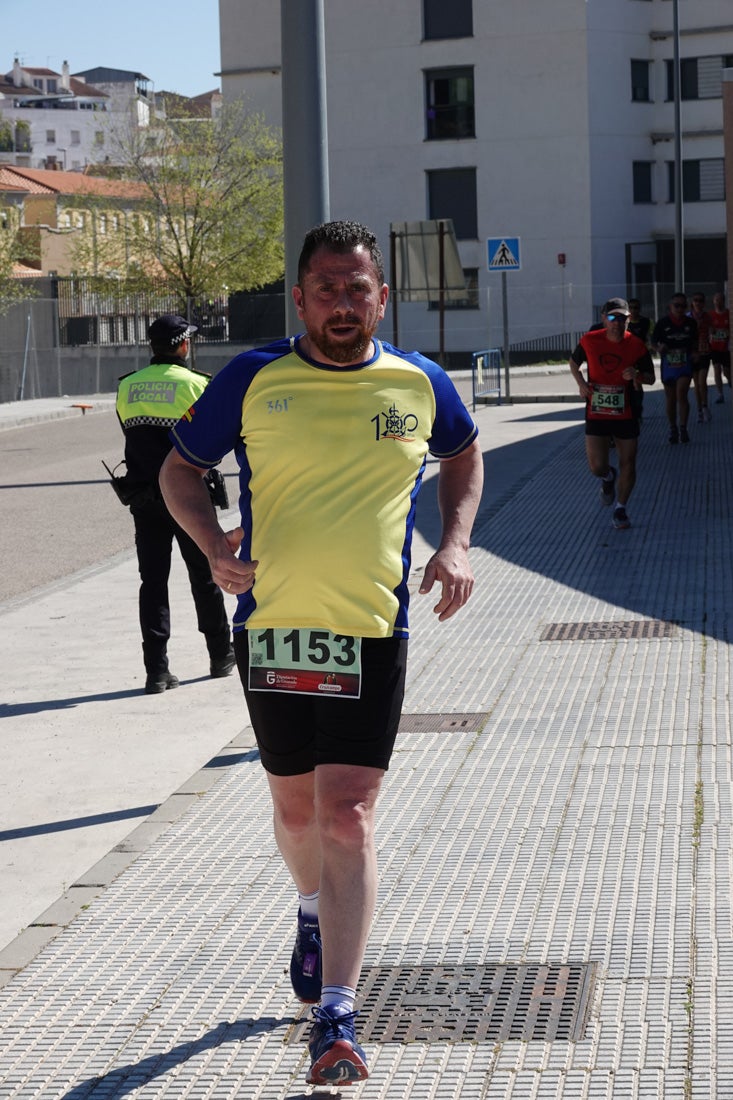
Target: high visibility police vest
158,395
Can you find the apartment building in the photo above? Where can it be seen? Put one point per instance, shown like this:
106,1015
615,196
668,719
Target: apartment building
550,124
57,120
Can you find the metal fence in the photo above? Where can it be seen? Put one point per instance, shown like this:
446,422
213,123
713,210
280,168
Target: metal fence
75,336
110,313
486,374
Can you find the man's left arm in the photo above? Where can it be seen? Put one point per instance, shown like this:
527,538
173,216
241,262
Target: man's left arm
460,481
644,371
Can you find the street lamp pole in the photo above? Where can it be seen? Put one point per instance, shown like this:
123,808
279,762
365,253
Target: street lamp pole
305,132
679,241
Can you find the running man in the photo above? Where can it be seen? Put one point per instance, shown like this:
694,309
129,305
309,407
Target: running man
720,344
675,338
617,363
331,430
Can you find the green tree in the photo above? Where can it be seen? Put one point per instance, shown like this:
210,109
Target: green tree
14,248
210,216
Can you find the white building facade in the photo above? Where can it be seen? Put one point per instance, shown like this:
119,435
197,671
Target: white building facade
552,123
70,121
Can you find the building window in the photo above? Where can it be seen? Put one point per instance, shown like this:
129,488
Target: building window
38,83
470,301
452,194
51,86
700,77
640,86
99,137
702,180
449,103
441,20
50,137
76,137
642,170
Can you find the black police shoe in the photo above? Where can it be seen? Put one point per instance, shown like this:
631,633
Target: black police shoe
222,666
158,682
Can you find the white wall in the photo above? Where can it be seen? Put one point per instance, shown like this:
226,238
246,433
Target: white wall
556,135
63,123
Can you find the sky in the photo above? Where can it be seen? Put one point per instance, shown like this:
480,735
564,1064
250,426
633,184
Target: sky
176,46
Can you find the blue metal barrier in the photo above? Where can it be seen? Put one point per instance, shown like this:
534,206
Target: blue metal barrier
486,374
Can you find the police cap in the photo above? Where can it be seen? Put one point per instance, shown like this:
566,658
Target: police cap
170,329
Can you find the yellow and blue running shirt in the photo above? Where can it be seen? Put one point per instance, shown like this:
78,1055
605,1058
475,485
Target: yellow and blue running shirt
331,460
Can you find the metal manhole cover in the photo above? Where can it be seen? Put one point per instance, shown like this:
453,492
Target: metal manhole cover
470,722
601,631
470,1004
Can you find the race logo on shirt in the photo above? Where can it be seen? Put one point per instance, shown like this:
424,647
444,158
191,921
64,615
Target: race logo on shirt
395,425
610,362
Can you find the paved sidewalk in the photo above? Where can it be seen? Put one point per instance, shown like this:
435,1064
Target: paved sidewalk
554,916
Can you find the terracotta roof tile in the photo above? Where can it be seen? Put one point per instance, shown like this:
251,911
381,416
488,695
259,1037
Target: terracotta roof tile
44,180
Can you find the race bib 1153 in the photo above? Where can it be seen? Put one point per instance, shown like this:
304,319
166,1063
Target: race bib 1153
304,661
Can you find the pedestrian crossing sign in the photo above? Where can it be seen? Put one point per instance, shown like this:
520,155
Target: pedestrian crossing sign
504,254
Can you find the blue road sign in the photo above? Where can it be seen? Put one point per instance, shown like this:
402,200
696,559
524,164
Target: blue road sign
504,254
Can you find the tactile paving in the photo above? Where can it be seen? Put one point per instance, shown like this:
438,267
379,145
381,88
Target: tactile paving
586,822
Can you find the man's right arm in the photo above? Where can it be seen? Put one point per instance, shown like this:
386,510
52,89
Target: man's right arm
577,374
188,501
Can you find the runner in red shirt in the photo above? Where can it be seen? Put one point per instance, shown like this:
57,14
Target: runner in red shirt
720,344
618,363
701,357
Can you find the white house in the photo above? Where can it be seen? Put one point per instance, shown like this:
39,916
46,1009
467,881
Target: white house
552,123
63,117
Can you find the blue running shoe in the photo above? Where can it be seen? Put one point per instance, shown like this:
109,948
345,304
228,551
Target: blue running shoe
620,518
337,1058
305,964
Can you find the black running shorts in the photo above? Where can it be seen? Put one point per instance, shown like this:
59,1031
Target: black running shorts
619,429
297,732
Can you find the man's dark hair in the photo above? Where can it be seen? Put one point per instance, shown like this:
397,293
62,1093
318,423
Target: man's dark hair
634,302
340,237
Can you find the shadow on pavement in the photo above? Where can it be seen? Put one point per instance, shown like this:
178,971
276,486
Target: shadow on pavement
541,512
25,831
129,1078
13,710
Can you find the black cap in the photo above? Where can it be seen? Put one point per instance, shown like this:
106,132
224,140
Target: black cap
616,305
170,329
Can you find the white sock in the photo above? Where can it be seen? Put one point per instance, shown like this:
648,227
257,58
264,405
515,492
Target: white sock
309,905
338,999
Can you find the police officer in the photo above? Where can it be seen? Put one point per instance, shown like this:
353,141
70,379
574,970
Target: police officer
149,403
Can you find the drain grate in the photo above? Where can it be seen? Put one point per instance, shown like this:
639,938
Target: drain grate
469,722
470,1004
601,631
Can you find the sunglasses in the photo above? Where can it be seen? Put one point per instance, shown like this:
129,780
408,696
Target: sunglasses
616,317
679,305
698,301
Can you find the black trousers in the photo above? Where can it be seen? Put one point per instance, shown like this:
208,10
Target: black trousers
155,530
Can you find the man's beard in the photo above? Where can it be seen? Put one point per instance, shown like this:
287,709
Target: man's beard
339,351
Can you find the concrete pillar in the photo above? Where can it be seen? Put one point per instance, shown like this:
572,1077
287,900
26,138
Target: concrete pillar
728,147
305,133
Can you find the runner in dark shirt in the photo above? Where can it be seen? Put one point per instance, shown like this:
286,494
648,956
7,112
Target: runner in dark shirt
675,338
